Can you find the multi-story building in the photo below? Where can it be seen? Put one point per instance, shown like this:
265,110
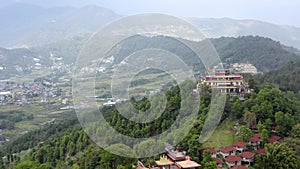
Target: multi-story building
226,81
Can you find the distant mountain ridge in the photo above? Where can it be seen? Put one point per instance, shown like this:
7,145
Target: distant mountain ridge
227,27
25,25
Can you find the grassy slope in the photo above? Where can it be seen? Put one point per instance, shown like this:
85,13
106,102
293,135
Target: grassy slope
224,135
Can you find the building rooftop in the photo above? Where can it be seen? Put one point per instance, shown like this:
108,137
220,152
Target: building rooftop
239,167
140,167
247,155
209,149
273,139
260,151
258,135
227,149
231,159
164,161
254,139
188,164
239,144
175,154
219,161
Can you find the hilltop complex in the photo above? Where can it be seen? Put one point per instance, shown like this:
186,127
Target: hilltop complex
226,81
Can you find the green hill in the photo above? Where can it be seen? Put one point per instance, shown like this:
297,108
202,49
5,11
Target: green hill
263,53
286,77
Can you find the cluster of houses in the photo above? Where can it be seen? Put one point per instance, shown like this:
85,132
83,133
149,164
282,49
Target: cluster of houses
21,94
244,68
240,154
176,158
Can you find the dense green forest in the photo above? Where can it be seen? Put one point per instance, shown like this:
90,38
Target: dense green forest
274,102
63,145
263,53
9,118
286,78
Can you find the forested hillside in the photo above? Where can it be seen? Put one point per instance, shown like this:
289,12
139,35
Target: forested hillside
286,78
263,53
64,145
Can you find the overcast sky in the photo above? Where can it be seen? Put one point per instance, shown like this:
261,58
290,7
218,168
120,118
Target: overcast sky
286,12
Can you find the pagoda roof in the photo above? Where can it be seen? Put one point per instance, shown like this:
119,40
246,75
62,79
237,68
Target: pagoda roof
140,167
164,161
188,164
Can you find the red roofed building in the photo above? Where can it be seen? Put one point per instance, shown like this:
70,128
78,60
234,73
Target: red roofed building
240,146
254,141
258,135
274,128
247,156
233,161
227,151
273,139
254,127
239,167
260,151
213,152
219,162
225,81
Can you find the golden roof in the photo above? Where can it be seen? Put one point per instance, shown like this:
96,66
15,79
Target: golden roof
188,164
140,167
164,161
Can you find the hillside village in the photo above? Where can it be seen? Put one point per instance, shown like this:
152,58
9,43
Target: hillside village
239,155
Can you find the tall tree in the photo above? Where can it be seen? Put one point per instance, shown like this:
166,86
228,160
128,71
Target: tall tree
294,144
268,125
249,118
295,132
277,155
284,122
210,165
264,136
245,133
237,109
260,127
208,162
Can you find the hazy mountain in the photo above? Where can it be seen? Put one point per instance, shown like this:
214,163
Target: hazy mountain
16,62
30,25
226,27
